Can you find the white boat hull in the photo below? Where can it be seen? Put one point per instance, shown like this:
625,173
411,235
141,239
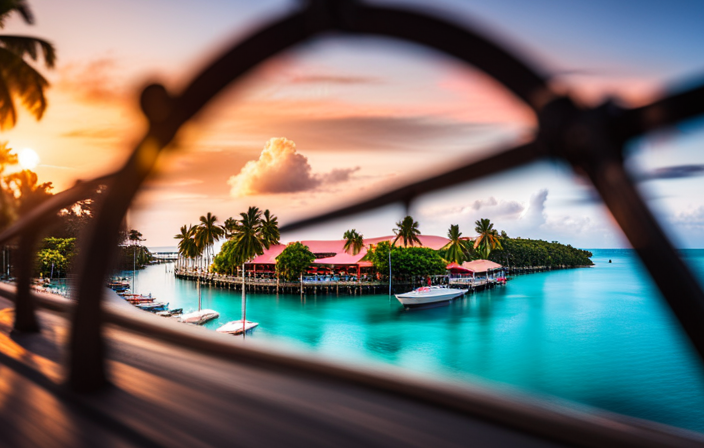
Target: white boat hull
235,327
426,296
199,317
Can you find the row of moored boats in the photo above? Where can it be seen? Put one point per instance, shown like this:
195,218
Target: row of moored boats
199,317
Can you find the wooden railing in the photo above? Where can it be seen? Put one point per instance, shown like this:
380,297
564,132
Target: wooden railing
589,139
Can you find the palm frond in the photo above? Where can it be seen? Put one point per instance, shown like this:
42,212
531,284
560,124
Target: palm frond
21,80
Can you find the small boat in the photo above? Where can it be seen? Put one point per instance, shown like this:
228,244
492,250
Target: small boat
235,327
137,298
428,295
153,306
119,285
199,317
170,313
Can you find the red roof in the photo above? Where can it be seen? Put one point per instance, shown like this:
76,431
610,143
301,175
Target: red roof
480,265
342,257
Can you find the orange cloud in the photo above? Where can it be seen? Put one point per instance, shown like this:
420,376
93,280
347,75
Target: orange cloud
281,169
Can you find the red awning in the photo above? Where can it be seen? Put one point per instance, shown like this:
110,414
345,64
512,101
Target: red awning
454,267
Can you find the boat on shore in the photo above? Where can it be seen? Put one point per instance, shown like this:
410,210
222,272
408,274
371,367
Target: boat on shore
199,317
236,327
427,295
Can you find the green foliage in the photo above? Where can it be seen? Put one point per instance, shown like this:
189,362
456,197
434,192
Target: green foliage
406,262
487,240
293,261
354,242
248,237
18,79
133,257
56,251
459,249
407,231
526,252
226,261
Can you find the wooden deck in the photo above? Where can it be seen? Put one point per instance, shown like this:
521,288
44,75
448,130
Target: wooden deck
171,396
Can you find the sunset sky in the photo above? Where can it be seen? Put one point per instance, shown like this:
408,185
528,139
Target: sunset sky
341,118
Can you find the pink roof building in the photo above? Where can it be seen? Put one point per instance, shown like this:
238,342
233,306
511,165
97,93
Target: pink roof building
332,252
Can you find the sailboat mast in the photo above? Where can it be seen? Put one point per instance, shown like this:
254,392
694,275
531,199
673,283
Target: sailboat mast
244,304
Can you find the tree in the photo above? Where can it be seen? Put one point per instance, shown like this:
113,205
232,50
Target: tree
488,238
230,226
459,249
55,255
18,79
293,261
187,247
354,242
135,237
206,234
249,240
270,229
407,262
407,231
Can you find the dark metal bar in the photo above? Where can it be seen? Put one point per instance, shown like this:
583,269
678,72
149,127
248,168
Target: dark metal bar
660,114
25,314
672,276
42,214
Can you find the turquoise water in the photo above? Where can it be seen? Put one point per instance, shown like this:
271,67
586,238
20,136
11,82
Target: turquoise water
598,336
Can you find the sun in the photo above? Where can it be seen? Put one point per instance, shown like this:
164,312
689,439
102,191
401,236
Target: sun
28,158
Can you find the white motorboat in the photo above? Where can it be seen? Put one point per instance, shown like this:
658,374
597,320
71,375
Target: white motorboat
427,295
235,327
199,317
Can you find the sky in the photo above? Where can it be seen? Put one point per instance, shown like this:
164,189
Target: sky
341,118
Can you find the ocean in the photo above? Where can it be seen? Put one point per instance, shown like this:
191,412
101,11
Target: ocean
600,336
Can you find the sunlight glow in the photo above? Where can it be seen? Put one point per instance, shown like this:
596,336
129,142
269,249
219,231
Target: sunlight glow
28,159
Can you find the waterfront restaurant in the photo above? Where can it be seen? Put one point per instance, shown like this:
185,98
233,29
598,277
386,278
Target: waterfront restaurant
331,261
475,269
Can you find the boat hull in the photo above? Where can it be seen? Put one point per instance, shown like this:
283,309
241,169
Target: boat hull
415,299
199,317
235,327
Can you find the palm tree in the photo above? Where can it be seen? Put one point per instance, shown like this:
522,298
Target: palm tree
135,237
187,247
270,229
407,230
354,242
252,236
18,79
229,227
458,249
488,238
206,234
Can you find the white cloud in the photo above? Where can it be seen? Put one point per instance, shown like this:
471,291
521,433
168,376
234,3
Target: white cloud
281,169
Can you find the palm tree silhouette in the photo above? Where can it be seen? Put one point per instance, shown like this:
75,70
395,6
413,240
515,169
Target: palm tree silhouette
458,249
354,242
187,247
488,238
270,229
206,234
18,79
407,230
250,240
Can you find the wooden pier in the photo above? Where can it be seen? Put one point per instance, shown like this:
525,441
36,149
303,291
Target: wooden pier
307,287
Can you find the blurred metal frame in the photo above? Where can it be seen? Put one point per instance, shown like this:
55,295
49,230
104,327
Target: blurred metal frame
589,139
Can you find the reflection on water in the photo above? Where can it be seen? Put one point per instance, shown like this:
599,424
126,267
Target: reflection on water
599,336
